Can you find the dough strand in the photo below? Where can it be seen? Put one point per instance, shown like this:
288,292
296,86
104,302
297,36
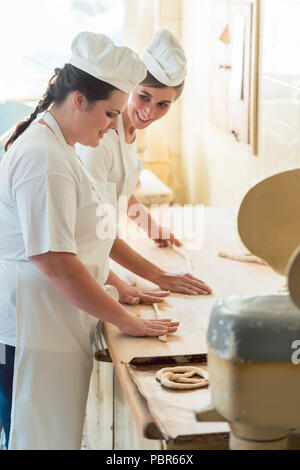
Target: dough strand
163,338
246,257
186,257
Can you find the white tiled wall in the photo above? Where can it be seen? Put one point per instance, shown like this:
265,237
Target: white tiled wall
170,17
208,165
140,22
279,86
214,168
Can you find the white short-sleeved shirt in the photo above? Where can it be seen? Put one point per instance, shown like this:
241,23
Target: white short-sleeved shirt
47,203
105,162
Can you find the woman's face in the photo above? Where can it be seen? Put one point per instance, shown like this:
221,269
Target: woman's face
96,120
148,104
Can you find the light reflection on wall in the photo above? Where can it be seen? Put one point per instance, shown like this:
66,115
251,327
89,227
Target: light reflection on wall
37,35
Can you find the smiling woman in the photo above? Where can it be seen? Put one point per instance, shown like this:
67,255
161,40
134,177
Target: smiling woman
92,119
147,105
88,93
53,267
115,160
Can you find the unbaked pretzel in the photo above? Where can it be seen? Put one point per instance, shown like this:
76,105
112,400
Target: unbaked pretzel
182,377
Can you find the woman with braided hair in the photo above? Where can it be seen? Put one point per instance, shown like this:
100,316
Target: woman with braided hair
115,160
53,266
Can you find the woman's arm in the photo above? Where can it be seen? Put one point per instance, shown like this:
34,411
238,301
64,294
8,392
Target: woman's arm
142,217
123,254
72,279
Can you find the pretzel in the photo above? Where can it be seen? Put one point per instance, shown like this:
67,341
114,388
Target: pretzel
182,377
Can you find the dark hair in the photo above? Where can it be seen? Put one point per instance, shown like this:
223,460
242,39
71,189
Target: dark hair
64,81
152,82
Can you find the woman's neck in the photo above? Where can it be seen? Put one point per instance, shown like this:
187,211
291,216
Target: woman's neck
63,120
129,129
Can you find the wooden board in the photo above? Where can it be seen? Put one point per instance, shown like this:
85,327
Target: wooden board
226,277
190,338
174,410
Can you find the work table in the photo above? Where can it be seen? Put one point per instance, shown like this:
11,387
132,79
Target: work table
225,277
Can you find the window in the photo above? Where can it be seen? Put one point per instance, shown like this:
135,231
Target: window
36,35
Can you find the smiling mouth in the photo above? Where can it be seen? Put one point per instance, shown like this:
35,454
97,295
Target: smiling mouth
141,119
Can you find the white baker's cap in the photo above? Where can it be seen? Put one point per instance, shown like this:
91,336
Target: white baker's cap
97,55
165,58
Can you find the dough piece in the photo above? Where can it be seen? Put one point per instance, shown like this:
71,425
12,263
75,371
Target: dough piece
163,338
246,257
182,377
187,258
185,255
283,289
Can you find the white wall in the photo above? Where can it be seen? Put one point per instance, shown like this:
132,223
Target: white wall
279,86
144,17
216,169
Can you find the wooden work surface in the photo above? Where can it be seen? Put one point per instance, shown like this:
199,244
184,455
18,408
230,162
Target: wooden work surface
174,410
226,277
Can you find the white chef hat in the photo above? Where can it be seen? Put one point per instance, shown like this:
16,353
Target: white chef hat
97,55
165,58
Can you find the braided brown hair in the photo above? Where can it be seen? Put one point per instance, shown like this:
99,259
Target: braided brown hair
64,81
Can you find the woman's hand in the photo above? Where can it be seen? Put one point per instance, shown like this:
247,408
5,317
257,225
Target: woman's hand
132,296
160,235
163,237
182,283
136,326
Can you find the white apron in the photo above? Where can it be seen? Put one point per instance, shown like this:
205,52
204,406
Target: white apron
131,171
54,358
